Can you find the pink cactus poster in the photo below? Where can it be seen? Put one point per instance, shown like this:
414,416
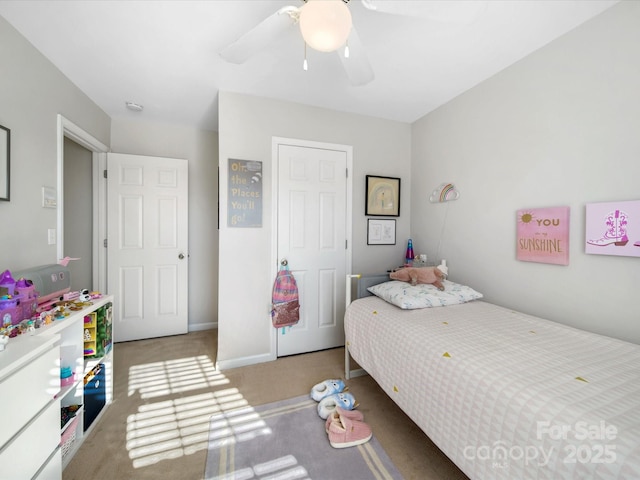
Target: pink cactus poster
543,235
613,228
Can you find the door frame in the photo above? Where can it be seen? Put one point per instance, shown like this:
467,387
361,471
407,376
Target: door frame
275,171
66,128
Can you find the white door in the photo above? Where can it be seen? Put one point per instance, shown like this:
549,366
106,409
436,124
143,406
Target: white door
312,237
147,222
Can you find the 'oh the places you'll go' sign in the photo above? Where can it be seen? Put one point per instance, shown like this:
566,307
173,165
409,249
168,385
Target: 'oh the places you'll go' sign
244,198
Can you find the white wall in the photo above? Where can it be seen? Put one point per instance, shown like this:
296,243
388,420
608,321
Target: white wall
247,125
559,128
200,148
32,93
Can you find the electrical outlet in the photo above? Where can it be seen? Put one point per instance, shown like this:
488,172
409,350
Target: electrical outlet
51,236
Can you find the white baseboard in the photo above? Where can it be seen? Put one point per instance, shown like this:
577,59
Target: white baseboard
244,361
198,327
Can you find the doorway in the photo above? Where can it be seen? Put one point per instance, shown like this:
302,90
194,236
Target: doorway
98,151
78,215
313,229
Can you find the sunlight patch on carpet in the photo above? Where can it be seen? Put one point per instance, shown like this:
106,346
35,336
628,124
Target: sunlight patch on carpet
175,427
156,379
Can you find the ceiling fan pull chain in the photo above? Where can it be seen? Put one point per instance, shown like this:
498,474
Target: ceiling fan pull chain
305,65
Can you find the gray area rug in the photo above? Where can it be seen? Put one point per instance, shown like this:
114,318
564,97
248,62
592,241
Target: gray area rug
287,440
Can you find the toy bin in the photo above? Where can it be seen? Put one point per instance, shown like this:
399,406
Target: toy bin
95,395
68,437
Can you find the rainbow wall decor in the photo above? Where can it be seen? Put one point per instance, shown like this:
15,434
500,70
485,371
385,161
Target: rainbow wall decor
446,192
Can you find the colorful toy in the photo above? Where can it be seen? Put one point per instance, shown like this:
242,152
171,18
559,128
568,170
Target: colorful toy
7,283
84,296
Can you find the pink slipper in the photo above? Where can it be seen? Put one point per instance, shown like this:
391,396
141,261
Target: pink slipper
350,414
344,432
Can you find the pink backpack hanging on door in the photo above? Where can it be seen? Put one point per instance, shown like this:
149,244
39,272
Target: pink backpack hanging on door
286,306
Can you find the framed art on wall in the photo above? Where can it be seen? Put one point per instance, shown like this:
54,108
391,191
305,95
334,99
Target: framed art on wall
244,203
613,228
543,235
382,196
5,162
381,232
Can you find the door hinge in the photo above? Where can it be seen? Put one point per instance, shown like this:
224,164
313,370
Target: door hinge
104,173
345,244
104,242
346,170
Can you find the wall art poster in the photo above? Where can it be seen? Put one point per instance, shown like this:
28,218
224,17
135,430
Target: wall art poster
383,196
543,235
613,228
381,232
244,202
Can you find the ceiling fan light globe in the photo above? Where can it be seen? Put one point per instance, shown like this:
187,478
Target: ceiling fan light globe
325,24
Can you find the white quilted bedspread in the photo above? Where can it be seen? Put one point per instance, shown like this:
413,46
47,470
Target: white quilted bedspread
506,395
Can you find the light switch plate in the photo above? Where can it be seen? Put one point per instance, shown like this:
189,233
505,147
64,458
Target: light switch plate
49,199
51,236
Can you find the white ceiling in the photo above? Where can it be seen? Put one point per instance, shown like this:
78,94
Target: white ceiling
165,54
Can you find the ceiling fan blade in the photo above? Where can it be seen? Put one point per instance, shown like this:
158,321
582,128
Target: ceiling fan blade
260,36
446,11
357,66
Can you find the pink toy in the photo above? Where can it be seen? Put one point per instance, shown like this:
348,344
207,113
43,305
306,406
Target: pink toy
7,281
414,276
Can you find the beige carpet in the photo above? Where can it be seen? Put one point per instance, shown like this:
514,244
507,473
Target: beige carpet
167,388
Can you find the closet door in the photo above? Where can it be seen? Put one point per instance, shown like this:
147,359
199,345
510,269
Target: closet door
312,237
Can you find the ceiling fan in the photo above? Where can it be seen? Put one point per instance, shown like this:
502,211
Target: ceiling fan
314,17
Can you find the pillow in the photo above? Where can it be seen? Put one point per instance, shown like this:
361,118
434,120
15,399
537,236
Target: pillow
405,296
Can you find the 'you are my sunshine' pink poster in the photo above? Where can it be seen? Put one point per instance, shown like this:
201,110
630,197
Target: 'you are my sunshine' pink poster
543,235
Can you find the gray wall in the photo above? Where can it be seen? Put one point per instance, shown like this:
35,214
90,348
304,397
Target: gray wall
78,214
32,93
200,148
247,125
559,128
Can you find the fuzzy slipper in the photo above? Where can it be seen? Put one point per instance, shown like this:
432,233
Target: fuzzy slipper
327,405
326,388
355,415
344,432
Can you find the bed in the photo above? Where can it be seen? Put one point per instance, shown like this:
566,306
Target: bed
503,394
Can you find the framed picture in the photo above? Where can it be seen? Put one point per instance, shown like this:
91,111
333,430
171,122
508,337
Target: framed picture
381,232
5,162
613,228
383,196
543,235
244,197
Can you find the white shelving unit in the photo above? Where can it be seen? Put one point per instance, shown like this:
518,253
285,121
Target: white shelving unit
30,383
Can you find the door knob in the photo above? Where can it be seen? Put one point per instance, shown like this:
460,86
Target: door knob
181,256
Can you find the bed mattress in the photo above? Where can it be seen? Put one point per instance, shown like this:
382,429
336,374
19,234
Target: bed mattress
503,394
